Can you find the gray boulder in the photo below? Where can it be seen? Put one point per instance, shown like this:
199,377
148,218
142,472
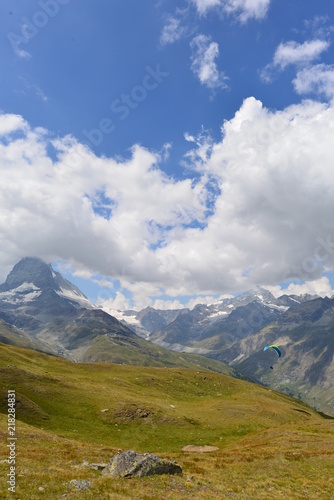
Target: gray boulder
132,464
79,484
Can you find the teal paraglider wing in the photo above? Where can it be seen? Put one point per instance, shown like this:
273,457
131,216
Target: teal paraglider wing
277,349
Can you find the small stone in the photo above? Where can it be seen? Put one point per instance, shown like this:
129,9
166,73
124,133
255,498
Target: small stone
81,484
41,488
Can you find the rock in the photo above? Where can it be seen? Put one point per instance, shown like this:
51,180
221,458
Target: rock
199,449
133,464
98,466
81,484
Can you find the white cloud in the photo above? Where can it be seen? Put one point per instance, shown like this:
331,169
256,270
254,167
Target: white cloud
174,28
269,219
11,123
299,53
317,79
118,303
34,88
244,9
321,287
204,55
273,215
86,209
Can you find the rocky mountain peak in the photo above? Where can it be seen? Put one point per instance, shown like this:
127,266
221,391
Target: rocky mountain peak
32,279
29,270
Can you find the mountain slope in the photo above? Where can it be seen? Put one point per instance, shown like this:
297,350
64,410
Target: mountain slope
305,335
236,330
39,309
268,445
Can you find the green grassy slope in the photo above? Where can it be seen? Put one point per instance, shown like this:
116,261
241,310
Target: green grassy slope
13,336
98,337
70,412
137,351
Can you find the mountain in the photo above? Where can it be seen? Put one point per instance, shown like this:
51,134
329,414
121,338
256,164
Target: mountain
208,327
236,330
54,314
305,335
12,336
148,320
41,310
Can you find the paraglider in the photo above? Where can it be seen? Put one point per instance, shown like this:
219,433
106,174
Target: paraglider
276,349
279,354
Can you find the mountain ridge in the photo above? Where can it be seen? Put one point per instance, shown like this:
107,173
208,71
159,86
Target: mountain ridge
41,310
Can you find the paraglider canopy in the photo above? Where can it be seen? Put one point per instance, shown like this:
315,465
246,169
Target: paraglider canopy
279,354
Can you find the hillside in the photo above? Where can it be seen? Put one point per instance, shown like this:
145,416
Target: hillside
41,310
305,334
236,330
269,445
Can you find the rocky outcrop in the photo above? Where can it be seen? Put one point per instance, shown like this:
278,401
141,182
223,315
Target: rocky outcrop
133,464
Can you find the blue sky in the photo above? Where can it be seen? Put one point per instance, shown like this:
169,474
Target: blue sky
166,153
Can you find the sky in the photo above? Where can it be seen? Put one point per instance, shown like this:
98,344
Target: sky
166,153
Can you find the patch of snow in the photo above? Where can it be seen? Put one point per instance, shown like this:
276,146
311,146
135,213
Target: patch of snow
218,313
298,302
23,293
278,308
80,299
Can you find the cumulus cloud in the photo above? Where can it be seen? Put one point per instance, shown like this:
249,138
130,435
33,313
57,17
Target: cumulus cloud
321,287
11,123
268,220
203,62
118,303
244,9
81,204
317,79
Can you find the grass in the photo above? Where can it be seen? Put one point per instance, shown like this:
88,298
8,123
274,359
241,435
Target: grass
270,445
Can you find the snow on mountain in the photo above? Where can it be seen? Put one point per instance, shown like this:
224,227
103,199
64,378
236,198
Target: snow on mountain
21,294
75,296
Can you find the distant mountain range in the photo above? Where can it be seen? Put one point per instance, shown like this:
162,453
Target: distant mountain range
236,331
209,328
41,310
